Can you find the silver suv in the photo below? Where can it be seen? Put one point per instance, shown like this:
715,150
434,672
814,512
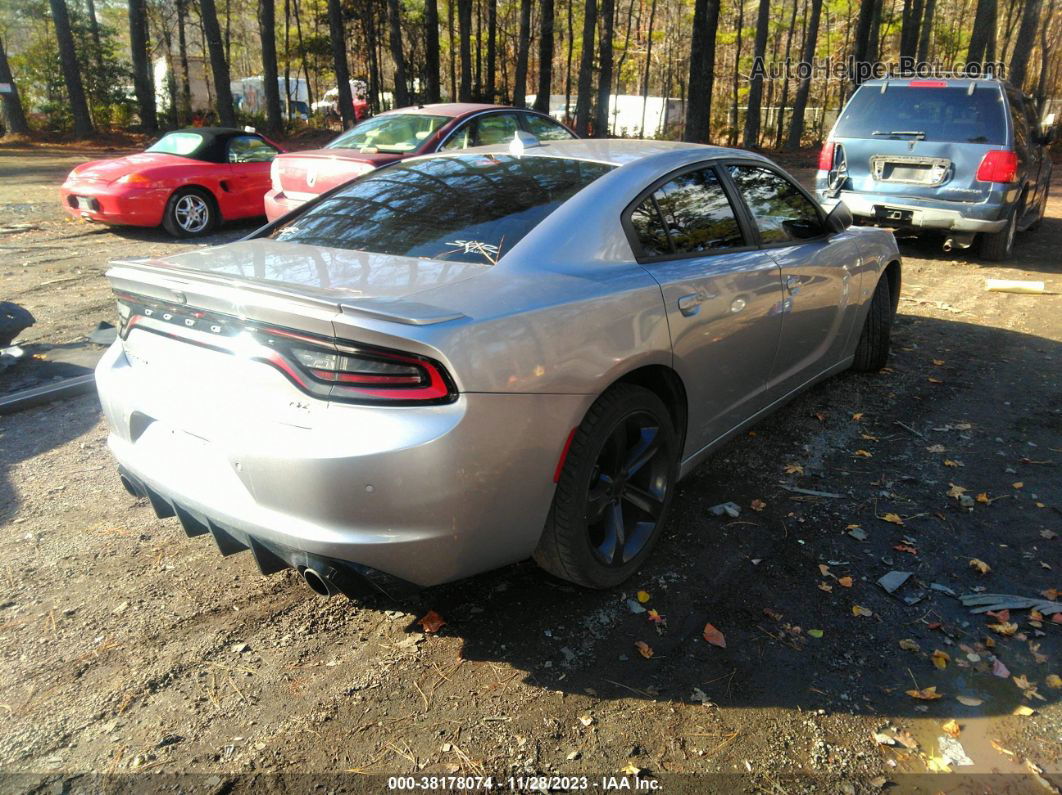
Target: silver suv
963,155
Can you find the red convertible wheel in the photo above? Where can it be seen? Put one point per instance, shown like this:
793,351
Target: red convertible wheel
189,213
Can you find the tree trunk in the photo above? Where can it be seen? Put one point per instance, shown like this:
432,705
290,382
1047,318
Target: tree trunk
267,33
752,117
492,46
586,70
800,103
371,35
218,66
860,53
14,116
740,26
604,81
873,47
909,34
453,49
1019,62
568,70
925,34
982,40
337,33
523,45
623,57
648,66
394,22
184,115
71,71
171,76
785,80
545,56
702,71
464,21
431,50
477,83
94,31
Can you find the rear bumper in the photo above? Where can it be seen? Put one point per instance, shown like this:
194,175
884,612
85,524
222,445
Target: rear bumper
928,214
278,203
113,204
423,494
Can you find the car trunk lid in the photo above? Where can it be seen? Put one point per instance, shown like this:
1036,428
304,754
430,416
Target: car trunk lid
316,171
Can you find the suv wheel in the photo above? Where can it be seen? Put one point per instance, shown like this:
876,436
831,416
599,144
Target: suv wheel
614,491
998,246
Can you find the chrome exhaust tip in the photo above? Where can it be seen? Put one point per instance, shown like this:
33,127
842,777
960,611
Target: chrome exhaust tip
318,584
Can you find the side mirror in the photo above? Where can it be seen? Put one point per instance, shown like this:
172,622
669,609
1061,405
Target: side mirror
839,218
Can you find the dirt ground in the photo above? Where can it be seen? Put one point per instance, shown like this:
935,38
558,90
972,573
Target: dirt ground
127,649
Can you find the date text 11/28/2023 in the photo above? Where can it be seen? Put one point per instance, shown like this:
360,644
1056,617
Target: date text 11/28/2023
611,783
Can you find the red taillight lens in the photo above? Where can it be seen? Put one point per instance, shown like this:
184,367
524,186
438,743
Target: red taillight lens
826,156
377,375
927,84
998,166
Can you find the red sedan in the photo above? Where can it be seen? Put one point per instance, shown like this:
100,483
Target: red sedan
395,135
188,182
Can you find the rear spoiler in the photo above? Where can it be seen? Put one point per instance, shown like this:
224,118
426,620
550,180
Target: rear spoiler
262,300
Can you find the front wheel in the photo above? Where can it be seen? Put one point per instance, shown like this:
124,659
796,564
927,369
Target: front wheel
614,490
190,212
873,349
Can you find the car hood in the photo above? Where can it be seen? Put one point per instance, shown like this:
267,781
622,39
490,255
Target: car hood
115,168
334,273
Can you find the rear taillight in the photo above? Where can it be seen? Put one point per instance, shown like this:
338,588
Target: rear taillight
375,374
274,175
826,156
998,166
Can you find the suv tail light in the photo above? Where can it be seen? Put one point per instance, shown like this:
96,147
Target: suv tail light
998,166
826,156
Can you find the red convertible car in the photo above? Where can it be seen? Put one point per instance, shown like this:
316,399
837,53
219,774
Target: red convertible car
395,135
188,181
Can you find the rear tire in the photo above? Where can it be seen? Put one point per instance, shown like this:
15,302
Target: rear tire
190,212
614,491
998,246
873,349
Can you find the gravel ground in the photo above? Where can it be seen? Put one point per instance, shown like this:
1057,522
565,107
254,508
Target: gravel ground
127,648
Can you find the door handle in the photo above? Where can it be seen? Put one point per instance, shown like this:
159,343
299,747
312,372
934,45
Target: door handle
690,305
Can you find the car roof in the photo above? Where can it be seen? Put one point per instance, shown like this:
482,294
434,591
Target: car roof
621,151
451,109
952,82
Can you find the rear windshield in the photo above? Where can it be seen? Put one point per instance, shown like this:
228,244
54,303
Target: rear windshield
468,208
931,114
177,143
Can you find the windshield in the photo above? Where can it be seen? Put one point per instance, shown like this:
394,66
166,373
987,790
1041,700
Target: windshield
925,113
390,134
178,143
468,208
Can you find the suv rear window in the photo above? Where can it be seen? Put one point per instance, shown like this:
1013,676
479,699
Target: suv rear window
940,114
468,208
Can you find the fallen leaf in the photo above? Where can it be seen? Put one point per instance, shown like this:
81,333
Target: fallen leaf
940,659
925,694
432,622
952,728
935,448
644,648
1034,650
714,636
656,618
794,469
643,597
863,454
983,498
1047,535
1002,615
936,764
907,740
758,505
999,669
774,615
845,582
630,769
1007,628
906,548
1018,484
1054,681
894,518
938,362
820,416
956,491
934,380
969,701
980,565
861,611
586,720
857,416
867,437
824,569
883,739
817,633
949,462
1035,615
1051,594
1023,711
909,645
825,586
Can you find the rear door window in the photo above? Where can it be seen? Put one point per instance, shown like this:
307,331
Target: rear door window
687,215
545,129
928,113
781,211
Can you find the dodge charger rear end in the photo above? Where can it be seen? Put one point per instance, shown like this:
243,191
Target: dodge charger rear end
461,361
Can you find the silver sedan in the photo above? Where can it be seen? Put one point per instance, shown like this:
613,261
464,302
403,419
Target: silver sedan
460,361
